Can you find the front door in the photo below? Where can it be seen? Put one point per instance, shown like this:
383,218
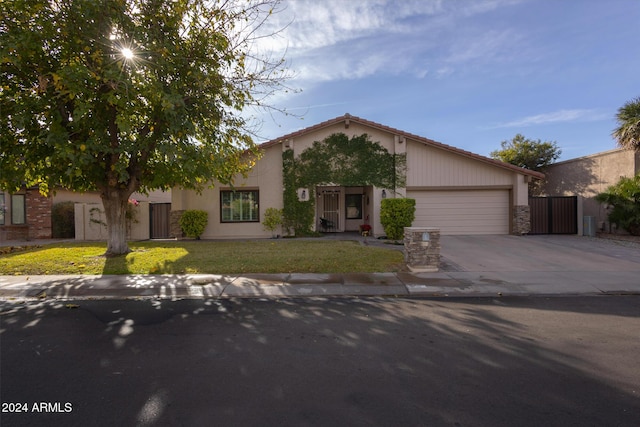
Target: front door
159,223
329,220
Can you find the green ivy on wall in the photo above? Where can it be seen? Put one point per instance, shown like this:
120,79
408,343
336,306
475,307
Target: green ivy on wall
297,215
337,160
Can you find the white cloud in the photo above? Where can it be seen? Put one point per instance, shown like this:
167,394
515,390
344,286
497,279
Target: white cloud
554,117
337,39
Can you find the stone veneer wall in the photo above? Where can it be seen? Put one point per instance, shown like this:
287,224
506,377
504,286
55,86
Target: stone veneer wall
174,224
422,256
521,220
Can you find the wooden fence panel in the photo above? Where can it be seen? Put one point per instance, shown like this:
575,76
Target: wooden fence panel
554,215
159,220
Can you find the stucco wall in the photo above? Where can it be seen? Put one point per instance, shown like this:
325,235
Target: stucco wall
90,222
266,176
156,196
590,175
302,142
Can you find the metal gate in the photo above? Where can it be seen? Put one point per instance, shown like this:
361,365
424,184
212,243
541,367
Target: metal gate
159,222
554,215
329,221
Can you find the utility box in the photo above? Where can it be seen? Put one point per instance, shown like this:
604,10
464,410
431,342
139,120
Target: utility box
589,226
422,249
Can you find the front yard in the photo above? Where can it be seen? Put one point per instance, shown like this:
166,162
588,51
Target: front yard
232,257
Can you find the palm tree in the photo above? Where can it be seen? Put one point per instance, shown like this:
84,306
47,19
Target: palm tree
628,133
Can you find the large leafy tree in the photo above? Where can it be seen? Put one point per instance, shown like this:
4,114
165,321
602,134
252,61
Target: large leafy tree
119,96
529,154
628,131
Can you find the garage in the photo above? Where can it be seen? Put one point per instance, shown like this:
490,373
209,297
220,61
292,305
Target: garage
463,212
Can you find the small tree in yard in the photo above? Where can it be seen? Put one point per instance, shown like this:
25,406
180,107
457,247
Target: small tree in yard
624,201
272,219
193,223
119,96
395,214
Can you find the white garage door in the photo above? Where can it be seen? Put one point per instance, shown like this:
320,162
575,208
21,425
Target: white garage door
463,212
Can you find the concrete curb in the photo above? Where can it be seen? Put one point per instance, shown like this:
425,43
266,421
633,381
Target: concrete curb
402,284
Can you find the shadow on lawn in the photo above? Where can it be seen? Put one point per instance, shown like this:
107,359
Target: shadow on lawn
125,264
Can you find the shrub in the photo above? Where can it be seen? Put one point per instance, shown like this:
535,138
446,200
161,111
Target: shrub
193,223
63,220
272,219
395,214
624,199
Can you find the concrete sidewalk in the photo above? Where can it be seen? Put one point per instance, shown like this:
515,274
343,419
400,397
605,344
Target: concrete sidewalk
470,266
442,284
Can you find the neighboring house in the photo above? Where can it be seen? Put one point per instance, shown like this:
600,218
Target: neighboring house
455,190
589,175
148,215
27,215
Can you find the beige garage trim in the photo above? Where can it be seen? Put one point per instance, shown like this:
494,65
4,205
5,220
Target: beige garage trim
460,212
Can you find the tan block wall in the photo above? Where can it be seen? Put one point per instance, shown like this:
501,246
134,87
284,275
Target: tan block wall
590,175
90,222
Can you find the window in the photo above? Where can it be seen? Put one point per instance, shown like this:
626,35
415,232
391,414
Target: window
2,208
239,206
18,215
354,206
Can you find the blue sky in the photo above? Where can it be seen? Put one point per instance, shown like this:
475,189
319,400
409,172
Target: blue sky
466,73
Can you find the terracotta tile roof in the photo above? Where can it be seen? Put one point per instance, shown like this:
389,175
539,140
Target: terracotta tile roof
417,138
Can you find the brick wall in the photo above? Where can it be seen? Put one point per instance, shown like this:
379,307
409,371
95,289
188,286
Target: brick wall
174,224
38,214
38,218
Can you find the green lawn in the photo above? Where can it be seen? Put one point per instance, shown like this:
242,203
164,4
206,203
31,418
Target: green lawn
233,257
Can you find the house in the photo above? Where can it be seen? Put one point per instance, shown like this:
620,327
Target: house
589,175
27,214
455,190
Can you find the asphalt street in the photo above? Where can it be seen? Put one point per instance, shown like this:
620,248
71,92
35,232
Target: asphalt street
511,361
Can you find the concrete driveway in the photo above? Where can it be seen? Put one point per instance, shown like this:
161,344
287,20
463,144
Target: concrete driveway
532,265
544,253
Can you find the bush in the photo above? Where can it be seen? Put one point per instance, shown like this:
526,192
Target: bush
63,220
272,219
395,214
624,199
193,223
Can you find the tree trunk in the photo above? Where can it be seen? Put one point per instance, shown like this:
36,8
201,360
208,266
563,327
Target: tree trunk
115,207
